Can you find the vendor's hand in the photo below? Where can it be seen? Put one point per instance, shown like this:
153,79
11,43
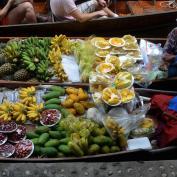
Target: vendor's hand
168,57
102,3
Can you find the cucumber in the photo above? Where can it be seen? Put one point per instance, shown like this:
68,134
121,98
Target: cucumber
31,135
52,143
53,101
49,151
57,88
55,134
50,95
43,138
64,149
42,129
37,150
53,106
35,141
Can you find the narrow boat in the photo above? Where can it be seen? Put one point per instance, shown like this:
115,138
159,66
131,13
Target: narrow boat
138,155
139,18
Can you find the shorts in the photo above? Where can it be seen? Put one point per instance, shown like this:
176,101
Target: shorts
4,21
88,7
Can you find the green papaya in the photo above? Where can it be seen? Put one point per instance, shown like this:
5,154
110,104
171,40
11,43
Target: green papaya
37,150
52,143
64,141
55,134
64,149
31,135
49,151
35,141
42,129
43,138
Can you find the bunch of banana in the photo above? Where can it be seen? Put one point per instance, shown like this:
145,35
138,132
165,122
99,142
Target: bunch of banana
6,111
43,71
55,58
12,51
63,43
34,111
19,112
27,95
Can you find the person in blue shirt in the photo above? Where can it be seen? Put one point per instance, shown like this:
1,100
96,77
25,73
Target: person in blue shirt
16,12
170,54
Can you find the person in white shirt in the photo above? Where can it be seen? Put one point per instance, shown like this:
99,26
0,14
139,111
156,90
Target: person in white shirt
67,9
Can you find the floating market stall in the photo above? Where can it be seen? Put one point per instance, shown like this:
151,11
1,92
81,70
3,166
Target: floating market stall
89,111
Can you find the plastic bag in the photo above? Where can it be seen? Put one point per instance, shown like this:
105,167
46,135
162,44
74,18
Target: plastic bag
119,121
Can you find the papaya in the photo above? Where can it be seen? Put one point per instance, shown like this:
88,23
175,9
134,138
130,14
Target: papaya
71,90
31,135
73,97
55,134
43,138
52,143
64,149
49,151
41,129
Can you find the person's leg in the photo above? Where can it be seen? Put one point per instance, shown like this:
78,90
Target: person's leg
24,11
88,7
109,12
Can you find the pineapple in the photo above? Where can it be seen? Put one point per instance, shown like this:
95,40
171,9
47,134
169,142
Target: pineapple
6,69
21,75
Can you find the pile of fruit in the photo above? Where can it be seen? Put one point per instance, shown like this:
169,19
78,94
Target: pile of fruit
79,138
77,101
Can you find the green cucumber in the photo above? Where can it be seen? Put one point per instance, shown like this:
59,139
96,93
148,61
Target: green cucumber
53,106
53,101
57,88
50,95
64,141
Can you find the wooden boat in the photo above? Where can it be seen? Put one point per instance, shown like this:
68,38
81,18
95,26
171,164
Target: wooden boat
139,18
138,155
